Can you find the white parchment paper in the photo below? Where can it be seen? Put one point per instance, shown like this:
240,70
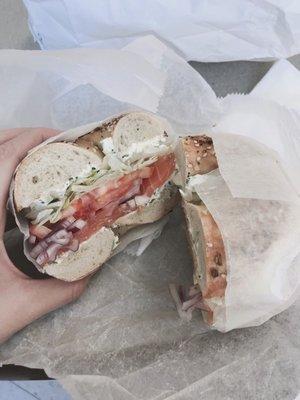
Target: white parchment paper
123,339
261,239
280,84
255,199
79,86
203,30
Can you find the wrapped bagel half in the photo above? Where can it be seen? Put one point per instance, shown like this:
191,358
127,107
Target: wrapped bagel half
196,156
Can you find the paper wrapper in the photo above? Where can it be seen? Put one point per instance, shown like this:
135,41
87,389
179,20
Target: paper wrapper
80,86
123,338
256,204
261,239
207,31
281,84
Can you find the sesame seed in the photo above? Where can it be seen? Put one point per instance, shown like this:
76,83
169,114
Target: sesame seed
195,141
197,144
204,154
198,159
208,147
190,165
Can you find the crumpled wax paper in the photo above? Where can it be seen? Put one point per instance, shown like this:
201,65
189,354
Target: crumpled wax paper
123,338
66,89
281,84
255,200
261,239
203,30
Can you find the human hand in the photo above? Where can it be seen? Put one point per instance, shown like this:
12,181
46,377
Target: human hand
22,299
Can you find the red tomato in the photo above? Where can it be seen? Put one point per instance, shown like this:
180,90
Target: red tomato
40,231
162,170
101,206
104,217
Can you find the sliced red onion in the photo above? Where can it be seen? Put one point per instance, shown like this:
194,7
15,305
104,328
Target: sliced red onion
191,302
52,251
32,239
201,306
60,237
124,207
50,254
65,223
42,258
177,294
131,204
77,225
38,249
193,290
181,293
73,245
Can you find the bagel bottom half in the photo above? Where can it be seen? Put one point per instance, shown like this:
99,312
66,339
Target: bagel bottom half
204,237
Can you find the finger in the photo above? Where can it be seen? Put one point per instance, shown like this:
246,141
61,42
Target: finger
14,150
47,295
8,134
33,299
11,153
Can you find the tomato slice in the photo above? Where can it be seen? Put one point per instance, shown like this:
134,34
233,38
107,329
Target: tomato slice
103,206
152,177
104,217
162,171
114,195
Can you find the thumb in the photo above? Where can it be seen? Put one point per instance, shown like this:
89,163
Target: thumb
43,296
26,300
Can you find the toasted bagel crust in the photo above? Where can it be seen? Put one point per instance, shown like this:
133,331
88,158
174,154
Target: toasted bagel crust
208,250
92,139
204,236
49,169
195,155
